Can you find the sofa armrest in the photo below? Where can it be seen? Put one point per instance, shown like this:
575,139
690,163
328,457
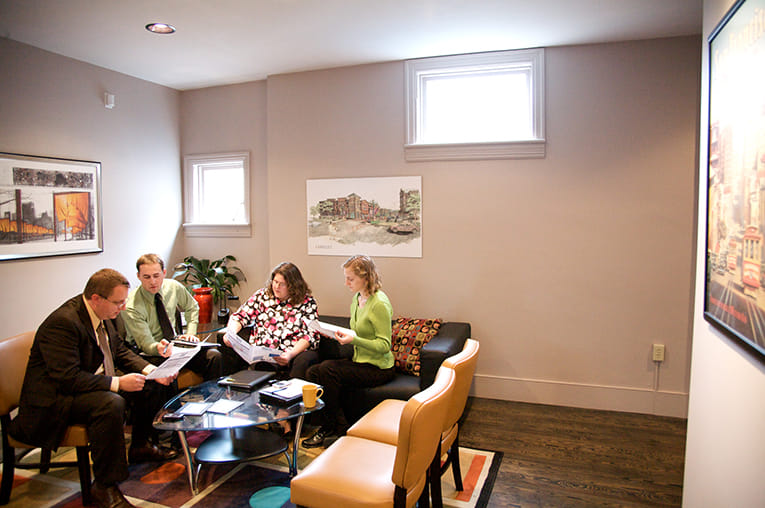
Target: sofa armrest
449,341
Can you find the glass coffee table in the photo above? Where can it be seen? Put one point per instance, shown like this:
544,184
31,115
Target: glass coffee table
236,436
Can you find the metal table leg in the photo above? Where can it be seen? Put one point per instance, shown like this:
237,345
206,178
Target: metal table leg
192,469
296,446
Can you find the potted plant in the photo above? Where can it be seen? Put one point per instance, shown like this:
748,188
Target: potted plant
212,281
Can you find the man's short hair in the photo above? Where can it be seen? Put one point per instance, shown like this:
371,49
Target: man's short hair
103,282
149,259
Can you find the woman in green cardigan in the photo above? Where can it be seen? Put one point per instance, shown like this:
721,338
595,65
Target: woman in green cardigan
372,362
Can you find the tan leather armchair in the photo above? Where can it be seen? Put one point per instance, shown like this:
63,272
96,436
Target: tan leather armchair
14,354
381,424
357,472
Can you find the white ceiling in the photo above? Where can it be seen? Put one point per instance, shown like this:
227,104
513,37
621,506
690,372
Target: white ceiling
231,41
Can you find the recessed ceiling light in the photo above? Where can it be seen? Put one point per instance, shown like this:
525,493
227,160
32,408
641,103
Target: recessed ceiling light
160,28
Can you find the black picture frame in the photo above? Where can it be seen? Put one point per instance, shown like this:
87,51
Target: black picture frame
49,206
734,299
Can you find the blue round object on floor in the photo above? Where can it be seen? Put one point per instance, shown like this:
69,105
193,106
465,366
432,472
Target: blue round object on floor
270,497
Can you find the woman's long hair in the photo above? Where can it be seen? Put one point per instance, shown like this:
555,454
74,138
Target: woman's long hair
297,287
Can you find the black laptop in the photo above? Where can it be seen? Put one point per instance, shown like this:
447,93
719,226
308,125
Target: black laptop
246,379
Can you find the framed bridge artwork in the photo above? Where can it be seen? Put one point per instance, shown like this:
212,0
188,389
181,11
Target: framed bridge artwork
374,216
48,206
735,263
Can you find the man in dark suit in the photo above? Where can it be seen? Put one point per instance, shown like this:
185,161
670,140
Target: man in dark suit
70,380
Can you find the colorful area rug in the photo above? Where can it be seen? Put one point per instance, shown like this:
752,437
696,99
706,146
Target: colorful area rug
261,484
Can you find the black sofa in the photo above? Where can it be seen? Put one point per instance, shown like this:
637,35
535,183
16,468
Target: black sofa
449,340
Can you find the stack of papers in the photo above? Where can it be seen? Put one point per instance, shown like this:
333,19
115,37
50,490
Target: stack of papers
284,392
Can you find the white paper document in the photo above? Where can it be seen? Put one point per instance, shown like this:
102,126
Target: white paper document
194,408
224,406
251,353
326,328
179,357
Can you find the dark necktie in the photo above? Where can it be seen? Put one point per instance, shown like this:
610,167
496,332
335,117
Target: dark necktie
164,321
103,343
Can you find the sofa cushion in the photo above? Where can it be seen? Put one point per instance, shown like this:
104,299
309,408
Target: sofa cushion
408,338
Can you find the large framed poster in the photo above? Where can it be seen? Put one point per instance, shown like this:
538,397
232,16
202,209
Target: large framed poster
373,216
735,273
48,206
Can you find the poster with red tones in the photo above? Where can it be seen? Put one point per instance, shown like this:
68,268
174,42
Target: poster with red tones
48,206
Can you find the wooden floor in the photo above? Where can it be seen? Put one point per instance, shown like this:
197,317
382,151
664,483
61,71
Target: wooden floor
568,457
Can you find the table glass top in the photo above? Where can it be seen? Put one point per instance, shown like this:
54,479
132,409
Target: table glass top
251,412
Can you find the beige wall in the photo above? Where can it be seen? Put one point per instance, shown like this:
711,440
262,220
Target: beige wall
725,449
231,119
53,106
569,267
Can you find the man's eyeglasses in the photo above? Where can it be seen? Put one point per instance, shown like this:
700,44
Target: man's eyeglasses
118,304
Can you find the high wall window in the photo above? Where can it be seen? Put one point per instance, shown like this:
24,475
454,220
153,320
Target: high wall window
476,106
216,191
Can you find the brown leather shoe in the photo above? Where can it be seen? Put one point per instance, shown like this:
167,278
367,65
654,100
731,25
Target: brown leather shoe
108,497
150,453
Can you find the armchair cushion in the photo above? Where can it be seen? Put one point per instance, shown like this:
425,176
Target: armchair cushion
366,466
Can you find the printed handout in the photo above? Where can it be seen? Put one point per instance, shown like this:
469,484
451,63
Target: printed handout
326,328
251,353
179,357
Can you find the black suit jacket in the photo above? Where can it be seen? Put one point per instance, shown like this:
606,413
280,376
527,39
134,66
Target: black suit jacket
62,363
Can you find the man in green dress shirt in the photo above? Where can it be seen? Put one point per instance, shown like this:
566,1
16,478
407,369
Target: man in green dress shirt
155,301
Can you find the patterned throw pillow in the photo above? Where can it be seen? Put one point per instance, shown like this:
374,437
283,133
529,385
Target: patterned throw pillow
409,336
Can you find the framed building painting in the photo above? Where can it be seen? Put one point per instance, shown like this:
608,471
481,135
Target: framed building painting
735,263
373,216
48,206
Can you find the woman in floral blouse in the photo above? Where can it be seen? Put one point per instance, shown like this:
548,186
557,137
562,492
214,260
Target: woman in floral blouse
276,313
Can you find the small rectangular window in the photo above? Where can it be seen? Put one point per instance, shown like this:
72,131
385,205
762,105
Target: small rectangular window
216,191
476,106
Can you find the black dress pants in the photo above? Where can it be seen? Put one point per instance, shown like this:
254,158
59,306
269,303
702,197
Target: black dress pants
206,363
339,375
103,413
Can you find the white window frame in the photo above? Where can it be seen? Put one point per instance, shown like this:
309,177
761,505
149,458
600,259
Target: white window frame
416,71
192,196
